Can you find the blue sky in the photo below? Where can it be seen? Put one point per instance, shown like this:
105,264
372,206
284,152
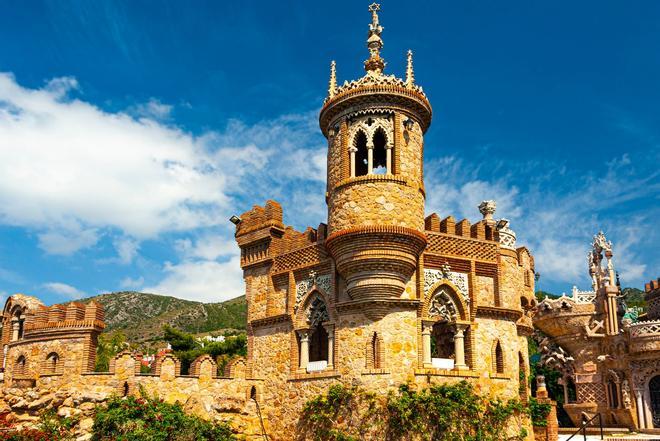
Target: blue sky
130,131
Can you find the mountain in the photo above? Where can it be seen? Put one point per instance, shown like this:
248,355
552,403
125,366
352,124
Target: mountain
141,316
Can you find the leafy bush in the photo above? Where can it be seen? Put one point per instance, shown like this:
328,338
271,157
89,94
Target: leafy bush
539,412
441,412
134,419
187,348
51,427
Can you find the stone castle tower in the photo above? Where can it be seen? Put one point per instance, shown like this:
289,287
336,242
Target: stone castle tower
382,295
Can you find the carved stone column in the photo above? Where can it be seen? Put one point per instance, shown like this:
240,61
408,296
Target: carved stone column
304,348
426,342
15,326
352,151
459,347
388,152
330,329
370,156
641,424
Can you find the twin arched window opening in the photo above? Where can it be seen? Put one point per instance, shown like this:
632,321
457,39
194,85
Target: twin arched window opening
371,155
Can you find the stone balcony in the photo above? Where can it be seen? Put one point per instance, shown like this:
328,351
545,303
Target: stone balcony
644,336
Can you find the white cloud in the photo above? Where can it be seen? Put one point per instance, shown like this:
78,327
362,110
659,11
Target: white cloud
556,213
70,168
130,283
152,109
127,249
68,239
64,289
202,280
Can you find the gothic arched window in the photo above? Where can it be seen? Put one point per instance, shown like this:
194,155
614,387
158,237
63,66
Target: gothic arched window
361,154
379,154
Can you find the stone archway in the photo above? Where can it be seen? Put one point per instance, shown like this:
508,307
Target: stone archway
654,393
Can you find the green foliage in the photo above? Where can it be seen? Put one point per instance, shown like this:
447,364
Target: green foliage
187,348
634,298
51,427
141,316
441,412
108,346
540,295
539,412
136,419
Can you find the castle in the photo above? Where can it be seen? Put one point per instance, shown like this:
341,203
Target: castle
609,359
379,296
382,295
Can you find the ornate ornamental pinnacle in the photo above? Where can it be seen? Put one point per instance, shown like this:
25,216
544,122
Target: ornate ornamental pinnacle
332,86
487,209
375,64
410,73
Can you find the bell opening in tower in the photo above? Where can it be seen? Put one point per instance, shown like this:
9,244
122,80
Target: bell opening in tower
361,156
380,156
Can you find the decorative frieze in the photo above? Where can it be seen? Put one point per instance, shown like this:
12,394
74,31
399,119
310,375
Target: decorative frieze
459,280
303,286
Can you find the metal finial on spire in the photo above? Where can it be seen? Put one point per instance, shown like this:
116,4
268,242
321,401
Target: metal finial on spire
332,86
410,73
375,64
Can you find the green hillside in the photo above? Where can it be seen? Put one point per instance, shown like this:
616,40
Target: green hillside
141,316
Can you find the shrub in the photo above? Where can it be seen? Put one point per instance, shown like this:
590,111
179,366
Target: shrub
133,419
440,412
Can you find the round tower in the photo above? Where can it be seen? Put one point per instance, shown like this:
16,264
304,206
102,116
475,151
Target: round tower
375,191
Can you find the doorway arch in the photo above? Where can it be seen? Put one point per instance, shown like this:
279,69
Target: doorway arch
654,392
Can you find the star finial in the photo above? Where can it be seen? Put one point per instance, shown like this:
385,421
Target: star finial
375,64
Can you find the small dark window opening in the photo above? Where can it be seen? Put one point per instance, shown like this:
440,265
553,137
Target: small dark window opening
499,359
361,156
442,341
253,393
126,388
318,346
375,351
614,396
380,156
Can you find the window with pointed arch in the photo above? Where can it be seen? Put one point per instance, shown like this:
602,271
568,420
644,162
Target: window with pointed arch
20,367
498,358
52,363
379,153
361,156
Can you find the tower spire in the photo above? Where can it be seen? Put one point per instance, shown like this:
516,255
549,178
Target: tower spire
332,86
375,64
410,73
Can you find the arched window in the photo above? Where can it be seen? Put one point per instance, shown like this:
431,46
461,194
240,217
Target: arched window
654,393
373,355
318,344
442,341
498,358
613,393
361,154
524,304
379,154
20,367
52,363
18,323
